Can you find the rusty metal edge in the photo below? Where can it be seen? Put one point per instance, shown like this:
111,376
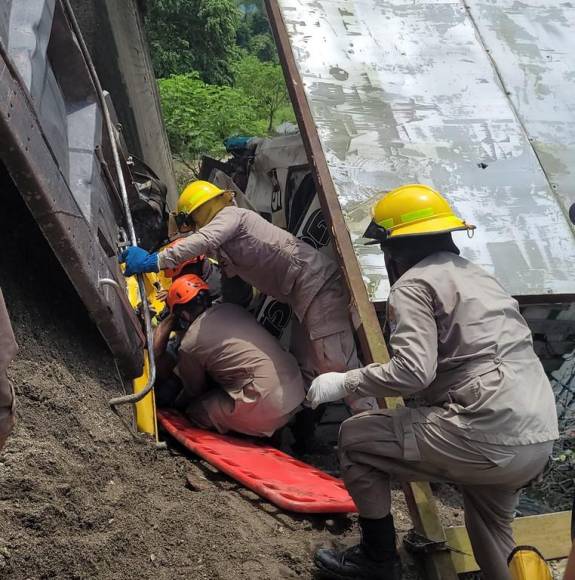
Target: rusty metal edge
419,496
40,192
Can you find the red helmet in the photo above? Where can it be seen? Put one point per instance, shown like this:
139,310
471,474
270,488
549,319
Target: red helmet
185,289
177,270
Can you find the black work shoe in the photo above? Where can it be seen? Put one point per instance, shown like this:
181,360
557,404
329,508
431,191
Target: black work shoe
356,564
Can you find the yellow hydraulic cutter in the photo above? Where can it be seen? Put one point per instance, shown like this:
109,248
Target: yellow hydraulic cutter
146,421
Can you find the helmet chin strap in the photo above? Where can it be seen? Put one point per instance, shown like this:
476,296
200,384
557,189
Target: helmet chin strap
394,268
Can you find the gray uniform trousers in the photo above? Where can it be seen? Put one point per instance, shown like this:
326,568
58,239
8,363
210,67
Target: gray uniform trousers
372,451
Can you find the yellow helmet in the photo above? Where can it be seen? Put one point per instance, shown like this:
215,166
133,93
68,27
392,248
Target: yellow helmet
195,194
412,210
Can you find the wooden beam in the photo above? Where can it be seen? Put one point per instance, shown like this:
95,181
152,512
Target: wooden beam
419,496
549,533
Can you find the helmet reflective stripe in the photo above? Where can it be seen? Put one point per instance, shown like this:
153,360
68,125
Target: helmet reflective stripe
417,215
386,224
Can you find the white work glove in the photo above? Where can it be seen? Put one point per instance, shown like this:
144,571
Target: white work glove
327,388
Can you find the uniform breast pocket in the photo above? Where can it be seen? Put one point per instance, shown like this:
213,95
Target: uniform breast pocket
467,394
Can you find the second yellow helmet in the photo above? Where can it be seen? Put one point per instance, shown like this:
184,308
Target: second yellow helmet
195,194
412,210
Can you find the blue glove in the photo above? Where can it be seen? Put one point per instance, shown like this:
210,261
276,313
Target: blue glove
139,261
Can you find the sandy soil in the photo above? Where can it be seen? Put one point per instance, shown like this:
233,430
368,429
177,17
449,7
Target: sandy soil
81,499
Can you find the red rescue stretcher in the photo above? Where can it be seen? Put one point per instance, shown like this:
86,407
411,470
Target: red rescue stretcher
284,481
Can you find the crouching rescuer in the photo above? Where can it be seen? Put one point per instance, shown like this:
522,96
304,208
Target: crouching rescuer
457,341
235,376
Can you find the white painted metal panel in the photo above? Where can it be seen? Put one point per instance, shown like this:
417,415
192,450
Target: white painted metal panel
532,44
405,91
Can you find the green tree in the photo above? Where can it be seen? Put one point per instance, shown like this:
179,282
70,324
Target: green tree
264,84
253,34
263,47
199,35
200,116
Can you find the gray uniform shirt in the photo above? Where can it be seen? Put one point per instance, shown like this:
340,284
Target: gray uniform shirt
267,257
242,357
459,341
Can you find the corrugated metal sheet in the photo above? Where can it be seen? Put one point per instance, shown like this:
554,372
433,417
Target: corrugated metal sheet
405,91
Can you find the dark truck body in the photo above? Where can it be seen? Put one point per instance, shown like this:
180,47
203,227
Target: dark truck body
57,151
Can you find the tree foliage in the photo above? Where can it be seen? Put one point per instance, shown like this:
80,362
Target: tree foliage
253,33
200,116
193,35
264,84
218,72
263,47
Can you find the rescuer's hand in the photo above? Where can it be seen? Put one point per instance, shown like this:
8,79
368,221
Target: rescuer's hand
327,388
138,261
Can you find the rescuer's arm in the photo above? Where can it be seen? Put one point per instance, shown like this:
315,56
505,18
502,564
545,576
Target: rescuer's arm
206,240
413,342
165,363
193,376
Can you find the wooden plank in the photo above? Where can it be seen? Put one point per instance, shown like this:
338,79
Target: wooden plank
549,533
419,496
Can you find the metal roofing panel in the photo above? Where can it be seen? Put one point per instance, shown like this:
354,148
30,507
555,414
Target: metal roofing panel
405,91
532,44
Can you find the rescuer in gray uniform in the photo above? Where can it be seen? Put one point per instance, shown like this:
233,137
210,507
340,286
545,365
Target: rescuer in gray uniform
235,374
458,342
8,350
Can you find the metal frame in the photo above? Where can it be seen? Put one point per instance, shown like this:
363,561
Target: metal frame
440,564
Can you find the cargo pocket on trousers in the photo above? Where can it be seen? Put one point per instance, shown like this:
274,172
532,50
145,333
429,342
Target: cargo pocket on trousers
403,425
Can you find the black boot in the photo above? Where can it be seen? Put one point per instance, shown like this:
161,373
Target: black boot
375,558
303,429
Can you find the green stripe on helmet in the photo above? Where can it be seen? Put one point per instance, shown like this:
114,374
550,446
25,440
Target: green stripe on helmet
417,215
